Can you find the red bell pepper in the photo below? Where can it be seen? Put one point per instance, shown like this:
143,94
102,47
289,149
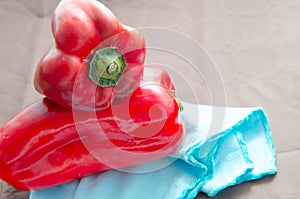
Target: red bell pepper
93,53
46,144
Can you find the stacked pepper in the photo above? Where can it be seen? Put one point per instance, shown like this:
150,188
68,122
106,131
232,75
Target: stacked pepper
102,109
89,40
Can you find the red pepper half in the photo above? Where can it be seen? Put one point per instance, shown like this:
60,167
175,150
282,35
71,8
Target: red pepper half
93,52
46,144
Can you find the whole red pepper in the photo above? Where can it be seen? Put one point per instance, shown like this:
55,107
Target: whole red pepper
93,53
47,144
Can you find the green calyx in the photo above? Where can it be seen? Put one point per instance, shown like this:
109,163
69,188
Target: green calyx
177,99
106,66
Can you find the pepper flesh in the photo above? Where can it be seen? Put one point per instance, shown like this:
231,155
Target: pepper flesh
47,145
80,29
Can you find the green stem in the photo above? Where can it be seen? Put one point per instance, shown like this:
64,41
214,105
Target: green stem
177,100
106,66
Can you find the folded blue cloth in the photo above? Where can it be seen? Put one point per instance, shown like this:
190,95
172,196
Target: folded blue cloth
209,160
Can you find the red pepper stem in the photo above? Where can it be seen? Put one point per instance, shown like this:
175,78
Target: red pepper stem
106,66
177,100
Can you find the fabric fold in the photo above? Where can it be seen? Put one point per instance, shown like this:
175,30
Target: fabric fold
206,161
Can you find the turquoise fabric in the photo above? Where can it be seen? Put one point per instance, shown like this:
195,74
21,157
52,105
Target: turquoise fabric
208,160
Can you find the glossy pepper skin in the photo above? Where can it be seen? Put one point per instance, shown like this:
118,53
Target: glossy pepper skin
93,52
47,145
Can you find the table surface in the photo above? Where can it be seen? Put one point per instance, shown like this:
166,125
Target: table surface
254,45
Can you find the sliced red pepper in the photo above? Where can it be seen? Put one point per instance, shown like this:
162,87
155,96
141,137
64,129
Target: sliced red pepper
93,52
46,144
